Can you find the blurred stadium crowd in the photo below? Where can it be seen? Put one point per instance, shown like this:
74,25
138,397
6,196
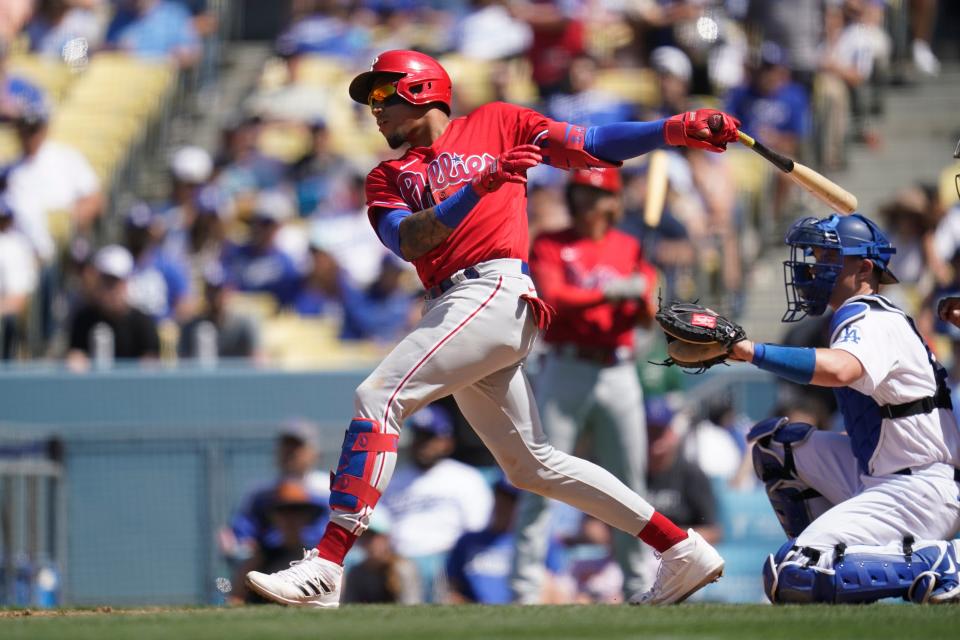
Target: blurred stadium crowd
445,531
260,248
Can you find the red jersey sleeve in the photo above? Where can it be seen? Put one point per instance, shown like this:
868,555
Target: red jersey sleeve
381,196
524,123
546,268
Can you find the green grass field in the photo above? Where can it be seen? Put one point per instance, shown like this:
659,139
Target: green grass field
696,621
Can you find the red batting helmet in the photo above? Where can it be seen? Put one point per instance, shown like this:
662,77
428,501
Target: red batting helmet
599,178
421,79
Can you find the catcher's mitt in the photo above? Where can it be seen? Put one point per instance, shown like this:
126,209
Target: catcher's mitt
697,338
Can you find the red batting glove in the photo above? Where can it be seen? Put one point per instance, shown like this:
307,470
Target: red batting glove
511,166
702,129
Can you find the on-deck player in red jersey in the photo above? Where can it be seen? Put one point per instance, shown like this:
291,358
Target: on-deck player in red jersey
593,274
455,205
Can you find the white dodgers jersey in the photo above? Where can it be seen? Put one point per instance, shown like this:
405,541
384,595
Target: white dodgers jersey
898,369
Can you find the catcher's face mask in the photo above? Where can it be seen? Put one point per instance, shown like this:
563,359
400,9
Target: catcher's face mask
807,280
818,247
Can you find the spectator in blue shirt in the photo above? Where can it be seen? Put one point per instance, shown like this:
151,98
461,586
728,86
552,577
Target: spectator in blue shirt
478,567
260,265
241,168
155,29
326,31
159,285
325,181
773,108
279,519
382,310
320,290
582,102
199,237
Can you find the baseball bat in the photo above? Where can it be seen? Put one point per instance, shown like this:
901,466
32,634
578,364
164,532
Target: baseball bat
656,188
825,190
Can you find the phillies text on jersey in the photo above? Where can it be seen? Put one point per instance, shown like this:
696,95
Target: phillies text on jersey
424,176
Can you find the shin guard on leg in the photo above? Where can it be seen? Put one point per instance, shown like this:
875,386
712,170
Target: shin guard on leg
862,574
940,582
352,487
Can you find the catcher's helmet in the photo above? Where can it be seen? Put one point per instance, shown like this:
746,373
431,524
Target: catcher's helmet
809,282
599,178
420,79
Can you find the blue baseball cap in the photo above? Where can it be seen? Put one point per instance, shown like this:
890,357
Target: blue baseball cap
772,54
30,103
432,419
659,412
212,201
140,216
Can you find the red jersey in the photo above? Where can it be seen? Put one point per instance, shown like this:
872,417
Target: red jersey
570,272
424,176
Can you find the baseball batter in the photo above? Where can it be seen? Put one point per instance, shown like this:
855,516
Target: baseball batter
601,286
869,512
454,204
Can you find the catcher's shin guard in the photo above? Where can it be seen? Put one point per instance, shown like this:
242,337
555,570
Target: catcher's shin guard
352,486
924,573
795,503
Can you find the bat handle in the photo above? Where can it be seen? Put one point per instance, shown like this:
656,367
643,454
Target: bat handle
745,139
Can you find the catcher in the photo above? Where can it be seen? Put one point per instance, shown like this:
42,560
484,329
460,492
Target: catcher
869,513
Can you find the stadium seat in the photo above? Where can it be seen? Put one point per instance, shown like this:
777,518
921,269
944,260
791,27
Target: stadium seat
258,305
298,342
638,86
947,184
317,70
9,145
471,78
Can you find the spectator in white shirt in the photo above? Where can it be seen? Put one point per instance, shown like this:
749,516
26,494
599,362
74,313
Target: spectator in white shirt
49,177
18,279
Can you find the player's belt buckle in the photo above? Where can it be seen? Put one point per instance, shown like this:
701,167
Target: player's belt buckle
470,273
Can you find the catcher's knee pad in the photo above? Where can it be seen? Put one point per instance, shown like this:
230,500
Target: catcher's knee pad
860,575
794,502
352,486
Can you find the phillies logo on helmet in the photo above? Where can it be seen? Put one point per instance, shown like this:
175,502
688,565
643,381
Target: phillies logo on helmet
444,174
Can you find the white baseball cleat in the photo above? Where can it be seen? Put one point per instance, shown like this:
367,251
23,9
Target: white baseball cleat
311,582
685,568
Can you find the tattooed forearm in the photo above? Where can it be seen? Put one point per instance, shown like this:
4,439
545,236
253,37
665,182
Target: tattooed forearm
420,233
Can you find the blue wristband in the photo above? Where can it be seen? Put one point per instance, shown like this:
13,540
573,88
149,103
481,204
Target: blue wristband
389,229
454,209
793,363
623,140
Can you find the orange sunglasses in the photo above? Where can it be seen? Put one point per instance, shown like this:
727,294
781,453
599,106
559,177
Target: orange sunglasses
383,93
